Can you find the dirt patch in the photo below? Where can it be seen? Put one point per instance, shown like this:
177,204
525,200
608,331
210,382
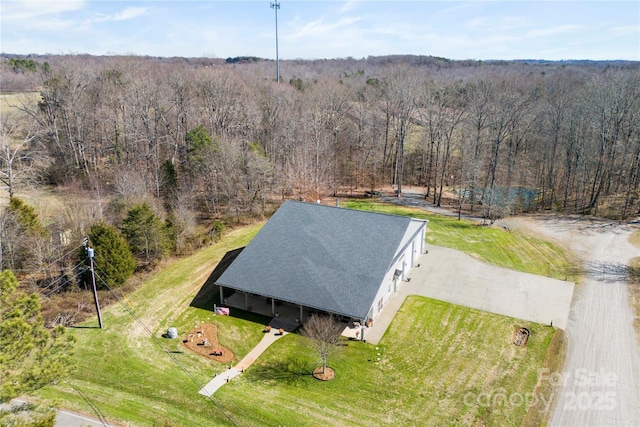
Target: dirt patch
204,341
327,375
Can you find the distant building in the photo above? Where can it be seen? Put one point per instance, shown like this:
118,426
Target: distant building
326,259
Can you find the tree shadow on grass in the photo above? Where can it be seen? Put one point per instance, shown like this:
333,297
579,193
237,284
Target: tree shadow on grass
291,370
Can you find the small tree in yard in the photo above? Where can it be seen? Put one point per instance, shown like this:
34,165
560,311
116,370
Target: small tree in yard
324,333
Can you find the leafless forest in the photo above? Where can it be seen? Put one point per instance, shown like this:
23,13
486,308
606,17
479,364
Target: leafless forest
199,139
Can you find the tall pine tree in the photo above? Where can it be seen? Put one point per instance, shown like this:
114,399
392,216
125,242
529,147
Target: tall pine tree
31,355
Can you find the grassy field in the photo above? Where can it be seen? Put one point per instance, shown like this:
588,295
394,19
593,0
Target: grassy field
130,373
440,363
504,248
9,101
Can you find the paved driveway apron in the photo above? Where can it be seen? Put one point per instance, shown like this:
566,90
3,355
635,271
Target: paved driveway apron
452,276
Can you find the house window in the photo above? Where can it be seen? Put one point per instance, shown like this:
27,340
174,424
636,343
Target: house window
380,304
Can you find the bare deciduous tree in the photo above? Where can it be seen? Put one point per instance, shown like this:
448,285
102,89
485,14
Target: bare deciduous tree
568,135
400,90
15,157
324,333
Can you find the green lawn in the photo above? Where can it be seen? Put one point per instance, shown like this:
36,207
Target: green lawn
438,361
132,374
440,365
505,248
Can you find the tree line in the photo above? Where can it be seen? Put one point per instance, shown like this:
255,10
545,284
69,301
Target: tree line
205,139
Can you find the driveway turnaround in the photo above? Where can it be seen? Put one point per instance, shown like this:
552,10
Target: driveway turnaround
452,276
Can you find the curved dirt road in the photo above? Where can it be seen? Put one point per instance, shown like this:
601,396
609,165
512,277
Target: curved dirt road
600,385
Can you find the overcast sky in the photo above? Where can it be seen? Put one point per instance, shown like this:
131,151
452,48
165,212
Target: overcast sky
553,30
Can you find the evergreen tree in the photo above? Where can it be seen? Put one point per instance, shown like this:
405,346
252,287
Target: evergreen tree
201,150
26,215
145,233
169,183
25,242
112,256
31,355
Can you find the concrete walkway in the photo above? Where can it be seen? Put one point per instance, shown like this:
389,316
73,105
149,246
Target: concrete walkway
226,376
452,276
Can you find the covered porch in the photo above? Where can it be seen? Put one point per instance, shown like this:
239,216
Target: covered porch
285,315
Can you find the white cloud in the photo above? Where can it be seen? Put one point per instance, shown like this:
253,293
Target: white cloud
125,15
130,13
40,15
320,28
628,30
28,10
348,6
497,23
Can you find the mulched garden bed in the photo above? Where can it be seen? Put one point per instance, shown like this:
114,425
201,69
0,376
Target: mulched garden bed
329,373
204,341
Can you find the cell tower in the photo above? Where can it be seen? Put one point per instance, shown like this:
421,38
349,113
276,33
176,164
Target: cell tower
275,6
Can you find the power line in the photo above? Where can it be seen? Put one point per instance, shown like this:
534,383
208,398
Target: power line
56,260
90,253
42,290
131,313
53,291
96,410
167,351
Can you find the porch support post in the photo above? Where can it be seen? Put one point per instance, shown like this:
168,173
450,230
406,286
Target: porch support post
300,313
246,301
273,307
221,295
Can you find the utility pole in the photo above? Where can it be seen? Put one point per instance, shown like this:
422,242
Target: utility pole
90,254
275,6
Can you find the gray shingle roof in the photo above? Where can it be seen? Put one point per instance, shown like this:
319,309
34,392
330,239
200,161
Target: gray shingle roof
327,258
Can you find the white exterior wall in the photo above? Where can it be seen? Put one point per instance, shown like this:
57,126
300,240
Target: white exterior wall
405,262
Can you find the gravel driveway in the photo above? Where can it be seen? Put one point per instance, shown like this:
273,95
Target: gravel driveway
600,385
